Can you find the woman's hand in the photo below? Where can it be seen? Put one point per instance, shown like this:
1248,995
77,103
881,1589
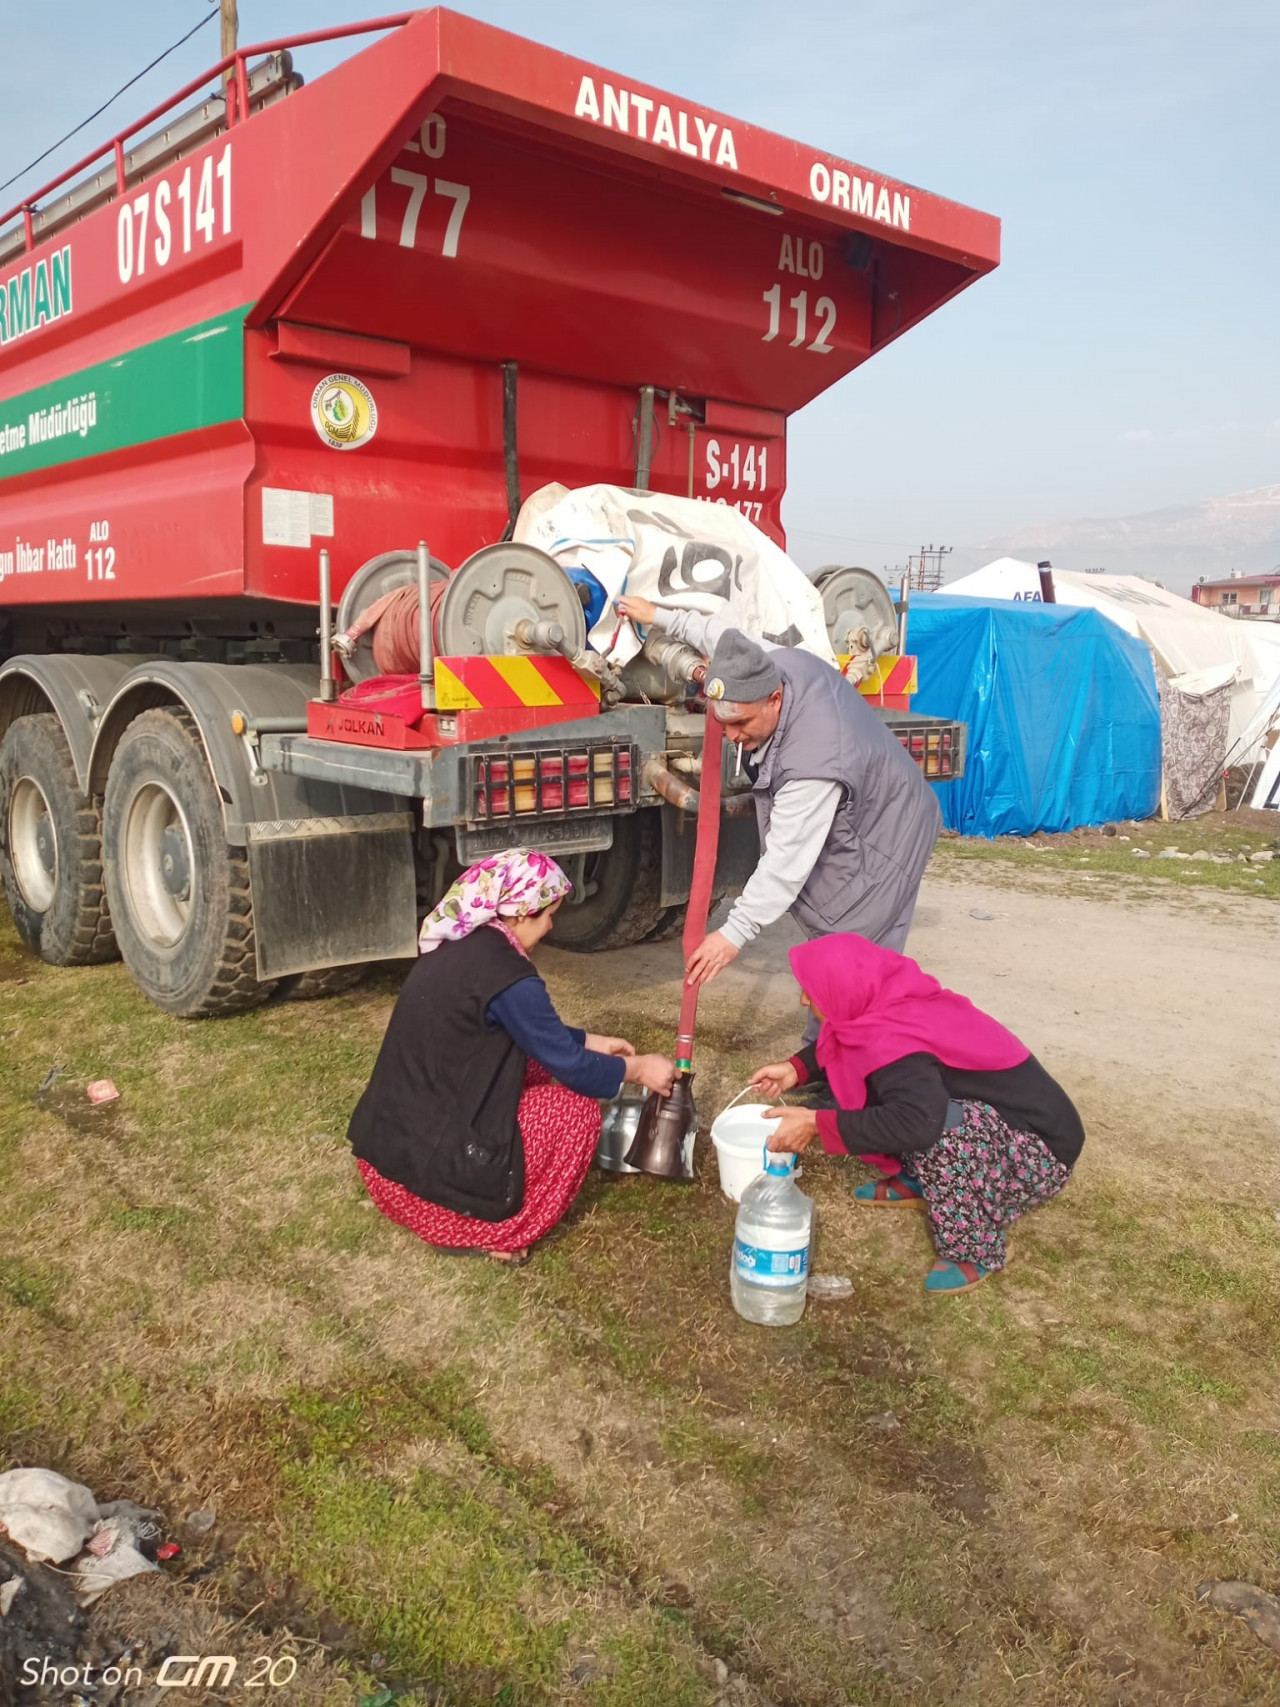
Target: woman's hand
773,1080
636,609
608,1045
795,1129
654,1072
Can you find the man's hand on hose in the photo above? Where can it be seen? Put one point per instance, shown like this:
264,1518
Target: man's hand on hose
636,609
775,1079
710,957
654,1072
608,1045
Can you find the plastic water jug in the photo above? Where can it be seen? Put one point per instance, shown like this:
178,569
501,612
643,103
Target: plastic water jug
769,1273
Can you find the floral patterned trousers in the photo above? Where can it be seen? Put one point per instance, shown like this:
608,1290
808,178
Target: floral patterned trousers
977,1181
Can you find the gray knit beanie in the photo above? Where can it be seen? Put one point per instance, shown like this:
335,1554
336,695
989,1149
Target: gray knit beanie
740,671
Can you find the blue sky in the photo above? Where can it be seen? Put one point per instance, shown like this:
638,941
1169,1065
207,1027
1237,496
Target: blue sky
1125,356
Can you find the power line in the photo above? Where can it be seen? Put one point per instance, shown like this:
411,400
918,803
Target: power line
208,18
863,539
847,538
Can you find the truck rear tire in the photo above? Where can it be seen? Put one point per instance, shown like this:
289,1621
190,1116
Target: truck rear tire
314,986
625,902
670,924
180,898
51,848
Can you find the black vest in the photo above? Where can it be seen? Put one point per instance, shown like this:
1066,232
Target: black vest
439,1113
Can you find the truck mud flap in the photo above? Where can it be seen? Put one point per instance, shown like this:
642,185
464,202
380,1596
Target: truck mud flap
332,891
738,855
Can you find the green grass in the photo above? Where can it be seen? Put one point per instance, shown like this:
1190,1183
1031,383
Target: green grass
30,1286
1084,857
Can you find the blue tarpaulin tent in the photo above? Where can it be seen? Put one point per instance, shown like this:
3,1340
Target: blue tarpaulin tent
1062,709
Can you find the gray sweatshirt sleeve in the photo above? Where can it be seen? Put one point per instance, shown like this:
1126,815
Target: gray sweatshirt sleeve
700,632
798,827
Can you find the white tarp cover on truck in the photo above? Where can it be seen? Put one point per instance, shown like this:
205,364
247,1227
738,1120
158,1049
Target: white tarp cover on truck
679,552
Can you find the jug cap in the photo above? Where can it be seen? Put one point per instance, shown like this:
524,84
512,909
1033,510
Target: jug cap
779,1163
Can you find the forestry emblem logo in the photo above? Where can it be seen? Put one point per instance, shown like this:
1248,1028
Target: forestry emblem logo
344,412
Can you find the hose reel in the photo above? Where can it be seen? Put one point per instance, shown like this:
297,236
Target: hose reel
504,599
858,611
510,598
387,573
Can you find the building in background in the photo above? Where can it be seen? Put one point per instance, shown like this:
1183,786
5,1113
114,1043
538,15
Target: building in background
1254,596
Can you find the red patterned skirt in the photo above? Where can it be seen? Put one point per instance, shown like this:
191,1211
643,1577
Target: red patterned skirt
560,1130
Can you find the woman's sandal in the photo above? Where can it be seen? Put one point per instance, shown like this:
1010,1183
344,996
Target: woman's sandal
946,1277
896,1192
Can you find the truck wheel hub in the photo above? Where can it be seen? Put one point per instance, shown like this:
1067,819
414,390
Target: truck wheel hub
175,863
157,865
46,846
33,845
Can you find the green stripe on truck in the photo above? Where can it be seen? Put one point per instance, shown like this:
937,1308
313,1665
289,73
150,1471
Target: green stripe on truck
191,379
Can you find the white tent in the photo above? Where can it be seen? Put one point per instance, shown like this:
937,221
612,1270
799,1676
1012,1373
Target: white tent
1265,724
1186,639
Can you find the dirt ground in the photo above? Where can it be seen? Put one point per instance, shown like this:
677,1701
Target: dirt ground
589,1482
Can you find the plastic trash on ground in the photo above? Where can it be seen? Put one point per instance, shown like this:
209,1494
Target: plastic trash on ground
45,1514
111,1557
102,1090
53,1519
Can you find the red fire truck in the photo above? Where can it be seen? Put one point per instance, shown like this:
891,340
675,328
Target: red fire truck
291,323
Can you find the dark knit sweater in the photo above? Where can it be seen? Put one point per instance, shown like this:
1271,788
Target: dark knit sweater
907,1103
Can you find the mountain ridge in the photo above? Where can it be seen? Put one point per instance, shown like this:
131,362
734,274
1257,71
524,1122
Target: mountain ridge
1178,544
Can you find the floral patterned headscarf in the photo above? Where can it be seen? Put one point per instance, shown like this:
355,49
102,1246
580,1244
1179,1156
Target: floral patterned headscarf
505,886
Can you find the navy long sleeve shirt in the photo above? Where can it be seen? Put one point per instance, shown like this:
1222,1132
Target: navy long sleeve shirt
525,1012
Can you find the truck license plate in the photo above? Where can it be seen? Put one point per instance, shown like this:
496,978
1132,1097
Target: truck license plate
550,835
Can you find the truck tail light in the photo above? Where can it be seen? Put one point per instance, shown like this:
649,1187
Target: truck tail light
551,782
934,750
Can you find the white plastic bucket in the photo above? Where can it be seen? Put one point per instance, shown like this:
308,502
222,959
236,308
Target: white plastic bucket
740,1135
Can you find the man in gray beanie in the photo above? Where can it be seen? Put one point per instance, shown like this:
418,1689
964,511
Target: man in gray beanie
847,821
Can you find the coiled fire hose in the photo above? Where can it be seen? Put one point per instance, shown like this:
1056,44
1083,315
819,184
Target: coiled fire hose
394,621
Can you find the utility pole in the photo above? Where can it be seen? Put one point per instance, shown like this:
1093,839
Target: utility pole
230,26
925,571
230,21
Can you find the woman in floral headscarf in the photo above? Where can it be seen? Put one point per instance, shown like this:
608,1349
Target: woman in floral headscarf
482,1115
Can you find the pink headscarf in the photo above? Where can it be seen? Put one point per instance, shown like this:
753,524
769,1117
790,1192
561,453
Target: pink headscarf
878,1006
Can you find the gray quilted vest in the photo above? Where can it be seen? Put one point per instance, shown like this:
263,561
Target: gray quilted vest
888,819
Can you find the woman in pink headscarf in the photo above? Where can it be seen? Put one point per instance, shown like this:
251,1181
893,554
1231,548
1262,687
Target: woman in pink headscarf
959,1113
482,1115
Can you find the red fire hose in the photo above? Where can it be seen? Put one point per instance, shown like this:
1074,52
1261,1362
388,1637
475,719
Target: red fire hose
706,846
394,621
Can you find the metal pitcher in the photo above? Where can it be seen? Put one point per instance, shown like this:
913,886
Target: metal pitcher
663,1143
